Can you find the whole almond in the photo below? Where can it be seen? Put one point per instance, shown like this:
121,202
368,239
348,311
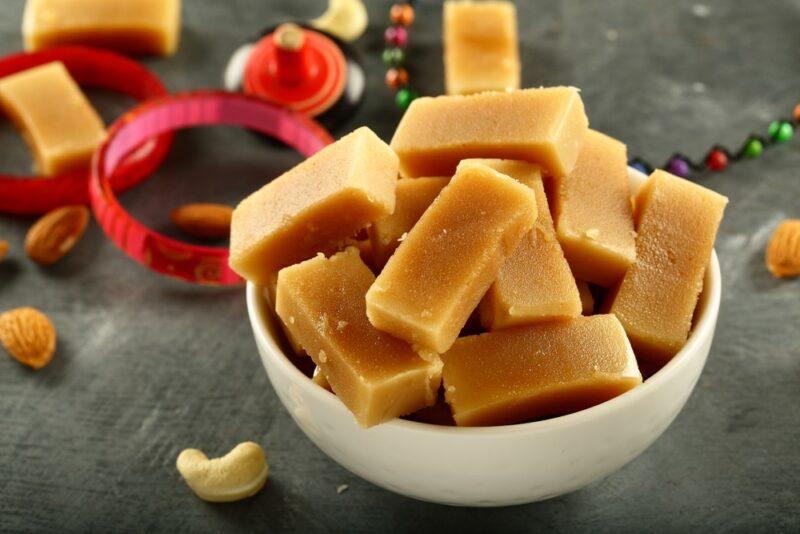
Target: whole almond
783,251
52,236
210,221
28,336
4,246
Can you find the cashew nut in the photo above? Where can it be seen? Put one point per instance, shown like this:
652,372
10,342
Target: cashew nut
239,474
346,19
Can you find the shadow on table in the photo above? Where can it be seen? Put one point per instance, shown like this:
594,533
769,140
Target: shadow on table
278,509
9,270
273,509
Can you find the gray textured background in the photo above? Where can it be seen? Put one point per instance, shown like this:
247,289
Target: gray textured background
146,366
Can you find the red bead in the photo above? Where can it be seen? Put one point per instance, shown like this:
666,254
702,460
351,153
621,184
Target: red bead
797,112
717,160
402,14
396,36
396,78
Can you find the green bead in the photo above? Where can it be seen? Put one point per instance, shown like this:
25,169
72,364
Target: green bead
393,57
404,97
780,131
753,149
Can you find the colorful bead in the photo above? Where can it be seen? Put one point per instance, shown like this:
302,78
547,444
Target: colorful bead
717,160
393,57
402,14
396,78
396,36
753,148
797,113
678,166
780,131
404,97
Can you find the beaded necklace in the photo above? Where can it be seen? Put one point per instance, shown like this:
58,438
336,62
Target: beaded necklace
394,55
717,158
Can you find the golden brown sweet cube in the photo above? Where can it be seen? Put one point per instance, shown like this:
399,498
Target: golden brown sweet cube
593,215
448,260
481,48
541,126
133,26
535,283
412,198
529,372
677,224
56,119
377,376
315,206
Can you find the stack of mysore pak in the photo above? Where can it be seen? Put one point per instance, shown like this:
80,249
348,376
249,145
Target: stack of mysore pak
508,215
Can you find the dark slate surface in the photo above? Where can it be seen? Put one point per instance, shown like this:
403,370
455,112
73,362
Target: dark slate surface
147,366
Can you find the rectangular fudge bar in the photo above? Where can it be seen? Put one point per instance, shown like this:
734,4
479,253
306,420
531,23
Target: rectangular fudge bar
481,48
56,119
593,212
535,283
132,26
378,377
439,273
412,198
541,126
528,372
315,206
677,223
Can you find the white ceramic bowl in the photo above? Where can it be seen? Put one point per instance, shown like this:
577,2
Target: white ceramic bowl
492,466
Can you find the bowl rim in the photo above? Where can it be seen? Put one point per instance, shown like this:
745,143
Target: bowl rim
703,328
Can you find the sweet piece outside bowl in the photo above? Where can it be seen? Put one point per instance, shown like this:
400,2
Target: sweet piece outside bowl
492,466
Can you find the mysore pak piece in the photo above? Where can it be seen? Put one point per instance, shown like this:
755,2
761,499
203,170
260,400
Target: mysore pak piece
592,206
448,260
377,376
529,372
314,207
481,48
56,119
132,26
535,283
676,224
542,126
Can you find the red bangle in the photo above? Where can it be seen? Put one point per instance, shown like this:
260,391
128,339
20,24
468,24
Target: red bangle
93,68
198,264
